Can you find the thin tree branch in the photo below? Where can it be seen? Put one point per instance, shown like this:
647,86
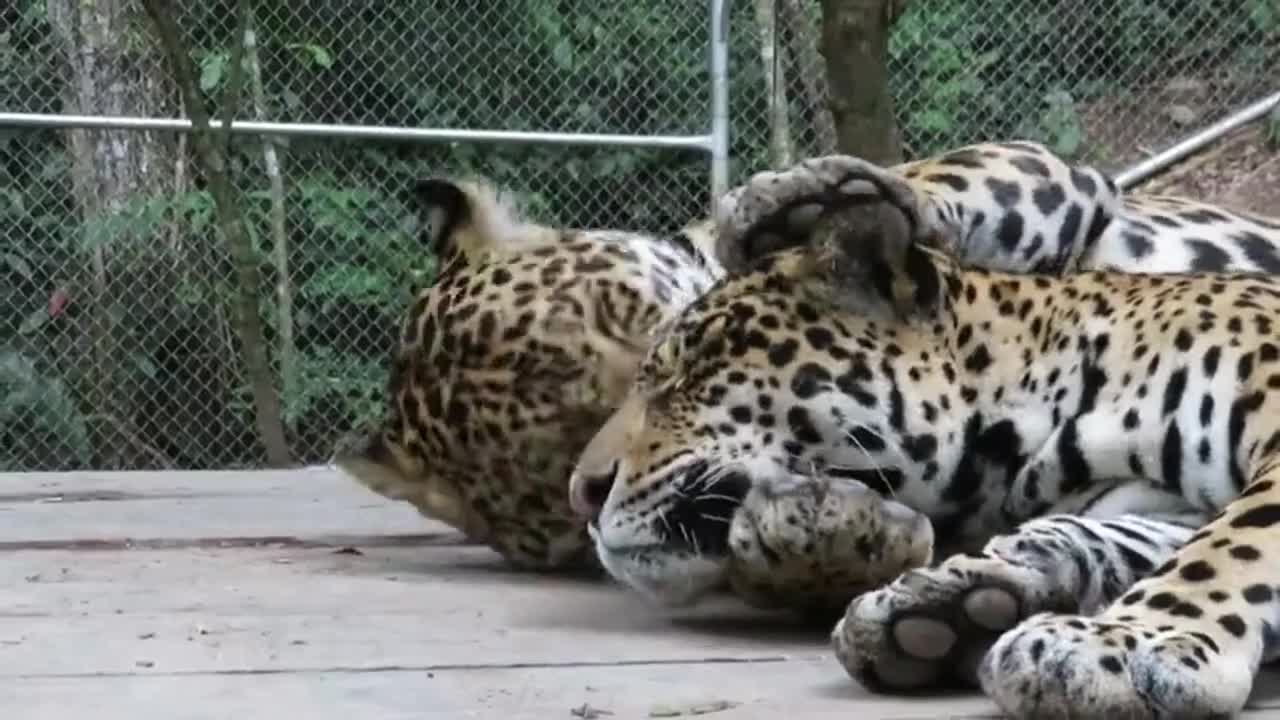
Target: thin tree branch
279,231
235,79
213,158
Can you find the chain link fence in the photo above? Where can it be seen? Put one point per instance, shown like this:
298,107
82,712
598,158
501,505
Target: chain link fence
117,348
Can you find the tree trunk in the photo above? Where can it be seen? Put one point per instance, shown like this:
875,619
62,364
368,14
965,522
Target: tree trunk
108,74
213,149
775,85
800,38
855,46
279,231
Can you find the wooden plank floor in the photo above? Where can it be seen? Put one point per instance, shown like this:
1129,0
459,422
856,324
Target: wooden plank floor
300,594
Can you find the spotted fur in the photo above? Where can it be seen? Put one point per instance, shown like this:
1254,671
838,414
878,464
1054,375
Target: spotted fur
1097,453
530,332
524,342
1011,206
509,362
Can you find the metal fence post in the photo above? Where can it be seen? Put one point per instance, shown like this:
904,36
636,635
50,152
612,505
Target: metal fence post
719,99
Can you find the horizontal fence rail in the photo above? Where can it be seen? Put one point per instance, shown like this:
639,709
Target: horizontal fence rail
363,132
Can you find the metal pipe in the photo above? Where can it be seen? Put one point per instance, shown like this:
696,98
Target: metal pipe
719,137
704,143
1145,169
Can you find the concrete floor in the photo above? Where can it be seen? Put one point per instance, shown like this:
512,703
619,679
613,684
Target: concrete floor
301,595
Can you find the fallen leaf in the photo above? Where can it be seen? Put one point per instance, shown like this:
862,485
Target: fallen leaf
1181,114
586,712
665,711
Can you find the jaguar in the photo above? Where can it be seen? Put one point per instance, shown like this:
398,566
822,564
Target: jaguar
530,332
510,360
1060,483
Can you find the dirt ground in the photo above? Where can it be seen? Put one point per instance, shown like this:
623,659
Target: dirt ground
1241,170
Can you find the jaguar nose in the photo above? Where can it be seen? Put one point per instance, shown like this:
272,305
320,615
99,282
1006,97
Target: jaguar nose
589,491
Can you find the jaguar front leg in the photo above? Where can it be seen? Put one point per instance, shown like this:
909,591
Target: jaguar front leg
811,542
1186,642
1015,207
932,626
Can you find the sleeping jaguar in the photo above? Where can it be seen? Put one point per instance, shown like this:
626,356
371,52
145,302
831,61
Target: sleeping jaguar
1092,457
526,341
510,361
529,336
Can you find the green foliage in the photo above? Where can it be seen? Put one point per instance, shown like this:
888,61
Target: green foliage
962,71
1060,125
327,375
34,406
213,67
313,54
1264,14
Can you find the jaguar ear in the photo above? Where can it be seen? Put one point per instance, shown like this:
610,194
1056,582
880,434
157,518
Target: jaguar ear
472,217
874,251
444,208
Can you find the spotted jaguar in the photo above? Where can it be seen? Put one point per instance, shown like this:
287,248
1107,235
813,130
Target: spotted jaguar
1063,487
510,360
530,333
